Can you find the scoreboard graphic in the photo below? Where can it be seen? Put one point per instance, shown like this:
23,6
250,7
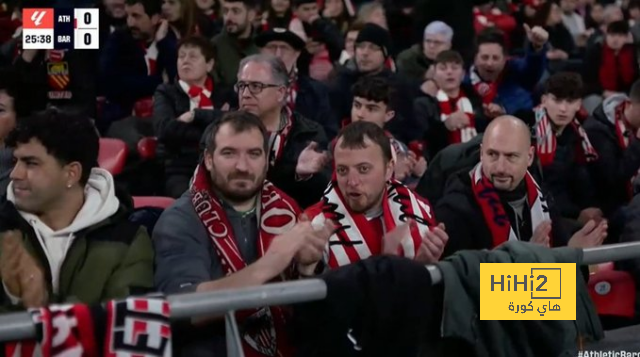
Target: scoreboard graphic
60,29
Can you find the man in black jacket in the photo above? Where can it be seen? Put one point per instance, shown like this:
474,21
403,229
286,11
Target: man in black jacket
371,51
499,200
613,131
564,148
295,164
319,30
306,95
454,114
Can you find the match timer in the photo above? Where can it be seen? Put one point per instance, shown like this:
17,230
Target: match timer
60,29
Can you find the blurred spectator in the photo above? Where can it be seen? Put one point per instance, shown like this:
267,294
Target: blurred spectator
610,66
564,148
611,13
60,205
297,160
574,22
183,110
372,50
341,12
135,61
417,61
349,43
208,17
113,15
549,16
595,16
183,18
614,132
324,40
490,16
374,13
236,41
504,84
14,104
634,19
306,95
455,113
279,14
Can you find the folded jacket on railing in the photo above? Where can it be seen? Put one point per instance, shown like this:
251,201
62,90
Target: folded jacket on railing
131,327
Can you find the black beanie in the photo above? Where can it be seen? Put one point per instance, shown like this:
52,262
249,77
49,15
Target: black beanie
376,35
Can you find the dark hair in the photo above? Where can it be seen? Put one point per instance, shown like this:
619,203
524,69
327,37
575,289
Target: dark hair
490,36
241,121
355,26
13,85
67,137
449,56
249,4
542,14
354,135
373,88
151,7
618,28
205,46
634,93
565,85
633,4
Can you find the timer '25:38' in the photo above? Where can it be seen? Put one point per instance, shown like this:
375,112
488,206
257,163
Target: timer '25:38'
38,39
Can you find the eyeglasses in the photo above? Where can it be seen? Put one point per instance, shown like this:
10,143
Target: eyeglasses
254,87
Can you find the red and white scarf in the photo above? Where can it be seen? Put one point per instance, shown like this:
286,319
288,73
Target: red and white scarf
292,93
624,131
493,211
132,327
199,97
277,213
278,139
150,57
547,142
450,105
488,91
355,235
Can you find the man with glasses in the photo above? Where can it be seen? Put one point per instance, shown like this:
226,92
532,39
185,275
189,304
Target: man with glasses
296,164
306,95
372,49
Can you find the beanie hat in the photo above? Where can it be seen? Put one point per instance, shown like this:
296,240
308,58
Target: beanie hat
376,35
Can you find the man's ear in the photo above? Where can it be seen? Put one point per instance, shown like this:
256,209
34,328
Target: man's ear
390,114
74,172
210,65
208,160
390,170
532,155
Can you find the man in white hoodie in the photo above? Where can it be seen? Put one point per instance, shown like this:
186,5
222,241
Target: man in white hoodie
64,234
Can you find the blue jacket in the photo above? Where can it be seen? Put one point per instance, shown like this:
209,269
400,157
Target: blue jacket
520,76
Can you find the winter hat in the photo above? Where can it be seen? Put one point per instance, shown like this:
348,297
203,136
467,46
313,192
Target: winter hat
376,35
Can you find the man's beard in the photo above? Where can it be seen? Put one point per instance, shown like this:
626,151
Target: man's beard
238,29
237,195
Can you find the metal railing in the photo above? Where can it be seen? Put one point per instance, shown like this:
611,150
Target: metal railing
19,325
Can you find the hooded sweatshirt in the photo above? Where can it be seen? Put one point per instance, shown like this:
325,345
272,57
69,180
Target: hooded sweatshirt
100,203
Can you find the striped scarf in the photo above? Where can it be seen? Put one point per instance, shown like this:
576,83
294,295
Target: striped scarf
278,139
493,211
356,237
546,141
450,105
199,97
624,131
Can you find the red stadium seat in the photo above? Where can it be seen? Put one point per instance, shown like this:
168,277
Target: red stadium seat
112,155
613,293
152,201
147,148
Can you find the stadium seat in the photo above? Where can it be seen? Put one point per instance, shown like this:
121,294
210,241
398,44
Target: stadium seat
147,147
613,293
112,155
152,201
